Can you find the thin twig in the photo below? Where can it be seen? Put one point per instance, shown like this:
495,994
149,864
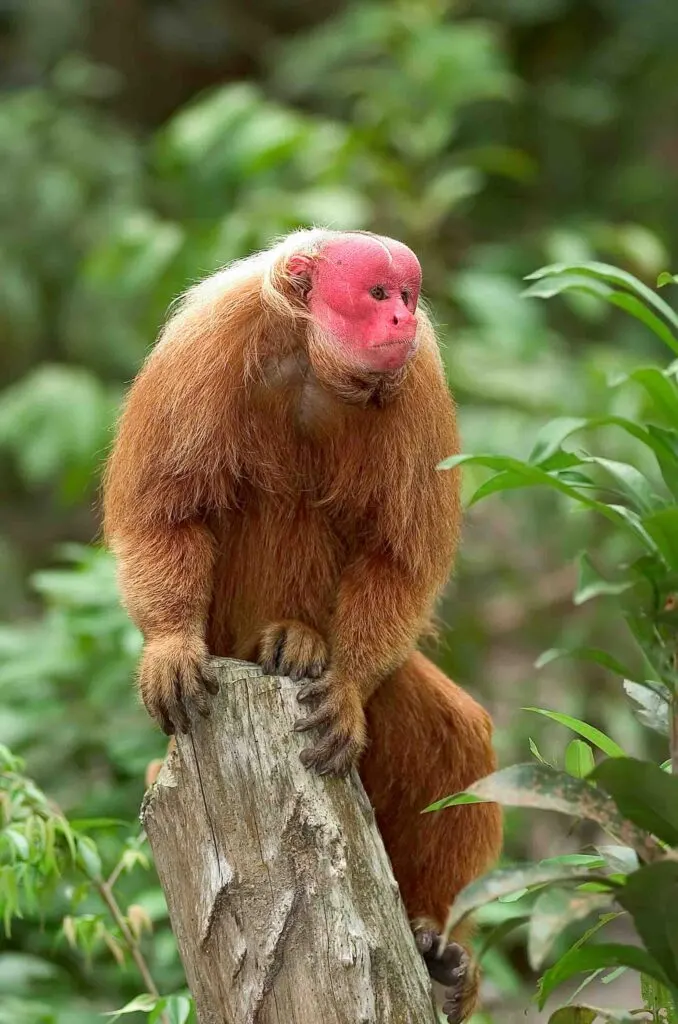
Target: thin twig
674,734
109,899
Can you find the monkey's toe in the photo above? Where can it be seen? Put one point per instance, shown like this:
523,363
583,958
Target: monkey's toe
290,648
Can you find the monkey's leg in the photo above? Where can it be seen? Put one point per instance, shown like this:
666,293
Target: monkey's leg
428,739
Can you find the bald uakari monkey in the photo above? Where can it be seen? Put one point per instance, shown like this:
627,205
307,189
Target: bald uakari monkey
273,496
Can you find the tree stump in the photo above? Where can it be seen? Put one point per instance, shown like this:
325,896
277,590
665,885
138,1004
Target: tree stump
280,892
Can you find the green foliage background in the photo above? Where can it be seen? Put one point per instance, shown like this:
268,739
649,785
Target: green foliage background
142,146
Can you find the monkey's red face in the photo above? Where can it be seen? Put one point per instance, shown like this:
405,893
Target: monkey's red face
363,292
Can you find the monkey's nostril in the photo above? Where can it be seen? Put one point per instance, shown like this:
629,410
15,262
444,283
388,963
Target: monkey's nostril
395,320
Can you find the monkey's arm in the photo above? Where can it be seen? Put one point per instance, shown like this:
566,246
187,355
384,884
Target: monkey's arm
165,573
171,466
378,617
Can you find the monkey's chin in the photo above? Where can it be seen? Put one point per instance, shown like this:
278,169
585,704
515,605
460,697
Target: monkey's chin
388,356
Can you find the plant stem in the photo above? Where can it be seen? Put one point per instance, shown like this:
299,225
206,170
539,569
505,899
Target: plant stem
674,734
109,899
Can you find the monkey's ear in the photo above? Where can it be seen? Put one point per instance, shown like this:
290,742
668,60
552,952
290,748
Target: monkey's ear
299,269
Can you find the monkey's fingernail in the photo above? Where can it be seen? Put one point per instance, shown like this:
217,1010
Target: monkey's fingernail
301,725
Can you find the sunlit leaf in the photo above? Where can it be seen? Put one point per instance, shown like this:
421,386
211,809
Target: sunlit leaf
589,732
143,1003
538,786
579,759
505,881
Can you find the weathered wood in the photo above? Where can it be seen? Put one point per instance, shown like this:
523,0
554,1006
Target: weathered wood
280,893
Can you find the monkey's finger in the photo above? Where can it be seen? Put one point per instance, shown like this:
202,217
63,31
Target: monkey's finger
311,690
210,678
335,754
176,710
322,716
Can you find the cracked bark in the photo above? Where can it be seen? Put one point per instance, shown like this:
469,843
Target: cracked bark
279,890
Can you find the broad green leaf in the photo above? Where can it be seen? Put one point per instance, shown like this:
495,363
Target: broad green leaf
554,911
579,760
651,897
537,785
589,732
505,881
591,584
666,278
590,958
607,272
457,800
644,794
654,706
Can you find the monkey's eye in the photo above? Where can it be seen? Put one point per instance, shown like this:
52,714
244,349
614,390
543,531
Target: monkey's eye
405,296
378,293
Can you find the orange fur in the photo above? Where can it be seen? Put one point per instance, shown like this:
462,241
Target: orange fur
264,497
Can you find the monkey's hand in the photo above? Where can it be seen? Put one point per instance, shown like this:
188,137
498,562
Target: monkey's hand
291,648
174,673
450,965
340,719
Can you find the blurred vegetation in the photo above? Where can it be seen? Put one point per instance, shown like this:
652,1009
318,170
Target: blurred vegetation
142,146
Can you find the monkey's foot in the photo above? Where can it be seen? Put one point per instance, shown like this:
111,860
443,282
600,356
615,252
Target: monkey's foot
340,719
452,967
174,674
289,648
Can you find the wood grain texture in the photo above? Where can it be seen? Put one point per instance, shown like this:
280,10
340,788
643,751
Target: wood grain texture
280,892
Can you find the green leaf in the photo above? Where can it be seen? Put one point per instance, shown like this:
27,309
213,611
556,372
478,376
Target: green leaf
140,1004
590,958
547,287
666,278
505,881
537,785
651,897
658,1000
554,911
579,759
512,470
606,272
588,1014
660,389
591,584
589,732
662,526
88,856
629,480
644,794
654,706
550,438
